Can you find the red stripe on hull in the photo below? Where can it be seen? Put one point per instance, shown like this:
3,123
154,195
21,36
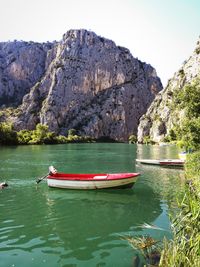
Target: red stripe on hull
92,177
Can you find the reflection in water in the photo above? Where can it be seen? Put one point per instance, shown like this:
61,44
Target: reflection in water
157,152
101,214
75,225
162,180
40,226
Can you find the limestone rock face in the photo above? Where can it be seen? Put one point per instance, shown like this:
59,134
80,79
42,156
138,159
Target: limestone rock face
88,83
22,64
160,118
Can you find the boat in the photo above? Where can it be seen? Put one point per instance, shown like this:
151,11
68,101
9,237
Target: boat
90,181
183,155
162,162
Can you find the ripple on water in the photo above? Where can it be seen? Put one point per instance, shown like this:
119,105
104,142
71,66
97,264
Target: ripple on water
40,226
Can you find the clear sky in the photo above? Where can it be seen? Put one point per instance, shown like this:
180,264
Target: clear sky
162,33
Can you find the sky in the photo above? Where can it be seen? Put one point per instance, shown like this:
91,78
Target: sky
162,33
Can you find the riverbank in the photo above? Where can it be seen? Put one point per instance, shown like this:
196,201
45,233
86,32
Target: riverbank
41,135
184,250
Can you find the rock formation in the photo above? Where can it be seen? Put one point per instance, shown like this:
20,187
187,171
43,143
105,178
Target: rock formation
22,64
160,117
84,82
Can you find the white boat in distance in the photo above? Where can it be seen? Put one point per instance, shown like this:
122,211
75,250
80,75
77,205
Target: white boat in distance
162,162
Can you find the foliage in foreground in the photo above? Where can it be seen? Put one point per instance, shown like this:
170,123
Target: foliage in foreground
148,247
184,250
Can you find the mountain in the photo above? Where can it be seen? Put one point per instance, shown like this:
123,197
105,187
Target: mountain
84,82
22,64
162,115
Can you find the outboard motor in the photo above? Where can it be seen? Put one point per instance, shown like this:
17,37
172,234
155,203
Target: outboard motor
52,170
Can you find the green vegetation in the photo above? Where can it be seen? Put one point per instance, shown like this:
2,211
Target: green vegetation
41,135
7,135
184,250
147,140
197,50
171,136
181,73
187,134
132,139
148,247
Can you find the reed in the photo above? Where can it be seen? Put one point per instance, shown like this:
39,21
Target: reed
184,249
149,249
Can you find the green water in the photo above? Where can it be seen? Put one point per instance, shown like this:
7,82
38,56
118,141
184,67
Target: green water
41,226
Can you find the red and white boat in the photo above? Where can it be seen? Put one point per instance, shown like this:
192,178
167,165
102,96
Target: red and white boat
90,181
162,162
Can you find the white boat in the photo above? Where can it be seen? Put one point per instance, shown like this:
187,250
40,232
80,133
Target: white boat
162,162
183,155
91,181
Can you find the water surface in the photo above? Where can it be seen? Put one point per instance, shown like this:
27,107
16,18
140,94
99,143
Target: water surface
41,226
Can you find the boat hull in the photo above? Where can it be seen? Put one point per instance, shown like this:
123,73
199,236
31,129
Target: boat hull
162,162
95,182
183,155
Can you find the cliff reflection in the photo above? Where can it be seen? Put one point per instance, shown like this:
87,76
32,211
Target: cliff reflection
83,221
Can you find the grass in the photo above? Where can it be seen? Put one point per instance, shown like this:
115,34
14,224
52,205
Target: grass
149,248
184,249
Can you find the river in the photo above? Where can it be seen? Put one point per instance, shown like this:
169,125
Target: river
41,226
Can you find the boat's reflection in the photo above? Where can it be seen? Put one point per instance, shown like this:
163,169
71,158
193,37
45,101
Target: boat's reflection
87,220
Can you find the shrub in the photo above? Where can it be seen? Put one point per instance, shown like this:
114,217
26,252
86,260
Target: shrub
71,132
132,139
7,134
24,137
147,140
189,99
190,133
61,139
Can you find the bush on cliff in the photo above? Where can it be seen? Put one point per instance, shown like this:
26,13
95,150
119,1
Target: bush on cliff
187,133
132,139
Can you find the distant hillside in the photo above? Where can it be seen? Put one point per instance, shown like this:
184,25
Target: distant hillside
84,82
165,114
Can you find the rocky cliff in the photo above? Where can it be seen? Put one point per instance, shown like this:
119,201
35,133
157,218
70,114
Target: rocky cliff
162,116
84,82
22,64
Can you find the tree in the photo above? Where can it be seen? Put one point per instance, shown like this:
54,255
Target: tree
24,137
132,139
7,134
71,132
41,135
190,99
190,131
